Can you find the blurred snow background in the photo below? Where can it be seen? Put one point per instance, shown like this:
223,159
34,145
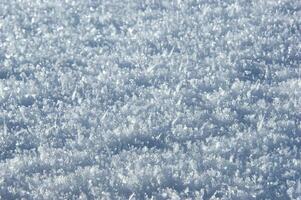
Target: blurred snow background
130,99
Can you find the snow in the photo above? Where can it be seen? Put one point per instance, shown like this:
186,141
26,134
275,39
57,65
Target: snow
156,99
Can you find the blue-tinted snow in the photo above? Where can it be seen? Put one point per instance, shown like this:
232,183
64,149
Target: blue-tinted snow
114,99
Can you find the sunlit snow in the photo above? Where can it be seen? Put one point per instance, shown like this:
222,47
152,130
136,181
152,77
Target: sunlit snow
154,99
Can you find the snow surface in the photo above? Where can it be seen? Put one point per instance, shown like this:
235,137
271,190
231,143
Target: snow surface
132,99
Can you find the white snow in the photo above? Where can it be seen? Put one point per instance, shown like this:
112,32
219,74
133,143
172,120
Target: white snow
155,99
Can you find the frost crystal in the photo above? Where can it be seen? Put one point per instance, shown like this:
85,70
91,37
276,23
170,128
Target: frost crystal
156,99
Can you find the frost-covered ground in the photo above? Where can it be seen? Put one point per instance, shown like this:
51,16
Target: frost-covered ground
130,99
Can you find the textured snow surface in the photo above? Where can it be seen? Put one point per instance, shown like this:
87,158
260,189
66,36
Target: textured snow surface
155,99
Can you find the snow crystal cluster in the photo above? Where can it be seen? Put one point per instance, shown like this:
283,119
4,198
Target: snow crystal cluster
154,99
